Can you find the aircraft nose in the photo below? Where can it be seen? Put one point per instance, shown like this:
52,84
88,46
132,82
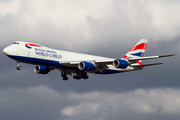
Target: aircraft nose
7,51
10,50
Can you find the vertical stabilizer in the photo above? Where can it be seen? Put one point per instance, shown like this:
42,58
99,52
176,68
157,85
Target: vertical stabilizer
138,50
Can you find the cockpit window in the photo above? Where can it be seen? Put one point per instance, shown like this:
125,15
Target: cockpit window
15,43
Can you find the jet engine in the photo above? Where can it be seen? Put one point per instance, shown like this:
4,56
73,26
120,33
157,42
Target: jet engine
87,66
41,69
119,63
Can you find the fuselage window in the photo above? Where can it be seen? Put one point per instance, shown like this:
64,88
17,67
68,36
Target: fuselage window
15,43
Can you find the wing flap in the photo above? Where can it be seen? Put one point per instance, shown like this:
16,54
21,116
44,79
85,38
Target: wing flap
99,64
105,62
108,61
69,62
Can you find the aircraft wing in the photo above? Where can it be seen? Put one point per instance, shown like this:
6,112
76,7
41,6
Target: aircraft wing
103,64
110,61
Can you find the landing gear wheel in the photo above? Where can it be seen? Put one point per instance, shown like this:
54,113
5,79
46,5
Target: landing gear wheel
18,65
80,75
19,68
65,78
63,74
77,77
85,77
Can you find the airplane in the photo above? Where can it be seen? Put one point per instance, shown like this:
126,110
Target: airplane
47,59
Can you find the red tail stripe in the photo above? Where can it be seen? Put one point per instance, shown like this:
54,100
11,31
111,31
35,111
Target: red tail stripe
138,61
126,57
140,46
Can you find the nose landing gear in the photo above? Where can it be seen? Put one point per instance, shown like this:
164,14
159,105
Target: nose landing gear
18,65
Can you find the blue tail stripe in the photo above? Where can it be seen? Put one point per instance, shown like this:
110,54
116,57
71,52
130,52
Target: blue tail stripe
140,54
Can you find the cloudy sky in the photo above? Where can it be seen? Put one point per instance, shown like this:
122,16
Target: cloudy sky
107,28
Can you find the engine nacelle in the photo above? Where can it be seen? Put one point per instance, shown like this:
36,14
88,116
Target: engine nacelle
86,66
119,63
41,69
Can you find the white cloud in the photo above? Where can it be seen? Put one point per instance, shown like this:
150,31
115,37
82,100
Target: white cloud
81,109
91,23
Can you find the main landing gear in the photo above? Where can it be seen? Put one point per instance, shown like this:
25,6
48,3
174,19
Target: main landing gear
78,76
18,66
63,74
81,75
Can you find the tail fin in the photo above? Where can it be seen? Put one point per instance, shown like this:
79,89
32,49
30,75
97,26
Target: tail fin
138,50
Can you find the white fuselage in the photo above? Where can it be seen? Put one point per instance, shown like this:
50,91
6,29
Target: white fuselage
47,59
45,56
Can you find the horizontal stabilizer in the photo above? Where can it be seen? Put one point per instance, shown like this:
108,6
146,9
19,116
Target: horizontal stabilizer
145,65
149,57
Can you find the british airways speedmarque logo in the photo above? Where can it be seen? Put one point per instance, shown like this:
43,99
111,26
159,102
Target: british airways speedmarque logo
29,45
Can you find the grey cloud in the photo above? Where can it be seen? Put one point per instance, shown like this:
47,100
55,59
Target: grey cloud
5,1
41,102
141,104
165,75
110,29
